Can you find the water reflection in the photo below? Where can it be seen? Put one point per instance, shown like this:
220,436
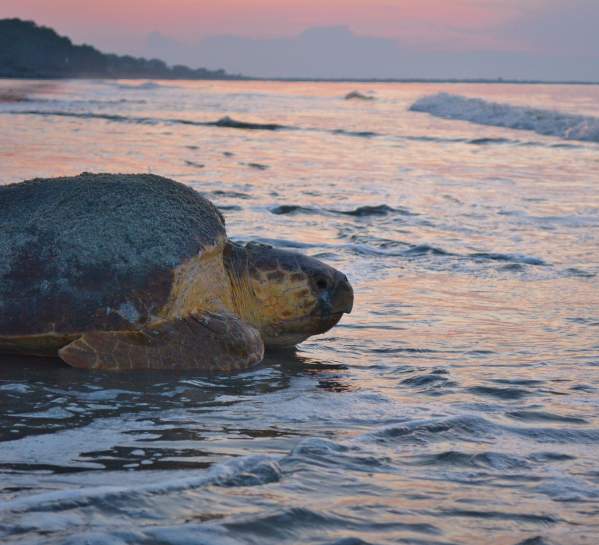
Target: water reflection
455,405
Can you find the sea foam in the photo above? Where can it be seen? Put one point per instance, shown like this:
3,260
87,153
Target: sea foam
253,470
476,110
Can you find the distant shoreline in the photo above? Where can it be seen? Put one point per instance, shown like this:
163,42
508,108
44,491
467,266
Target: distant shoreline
32,52
306,80
429,80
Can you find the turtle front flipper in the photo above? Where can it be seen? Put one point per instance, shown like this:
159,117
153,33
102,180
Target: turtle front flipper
208,342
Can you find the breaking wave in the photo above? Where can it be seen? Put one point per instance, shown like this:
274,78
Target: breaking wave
476,110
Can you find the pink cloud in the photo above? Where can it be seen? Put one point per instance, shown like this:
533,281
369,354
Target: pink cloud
388,18
454,25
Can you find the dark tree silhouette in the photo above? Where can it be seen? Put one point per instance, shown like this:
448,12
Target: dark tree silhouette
31,51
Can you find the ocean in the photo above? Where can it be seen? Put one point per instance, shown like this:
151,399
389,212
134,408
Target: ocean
457,404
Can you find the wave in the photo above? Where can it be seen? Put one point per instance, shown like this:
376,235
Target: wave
231,194
224,122
89,115
358,134
393,248
145,86
227,122
482,112
544,416
518,259
257,166
443,140
378,210
470,427
419,250
486,460
359,212
487,141
24,92
251,470
292,209
231,123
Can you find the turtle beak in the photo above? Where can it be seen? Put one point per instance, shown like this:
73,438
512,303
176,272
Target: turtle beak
336,300
342,295
333,303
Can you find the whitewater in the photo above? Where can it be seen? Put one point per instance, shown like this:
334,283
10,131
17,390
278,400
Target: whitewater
476,110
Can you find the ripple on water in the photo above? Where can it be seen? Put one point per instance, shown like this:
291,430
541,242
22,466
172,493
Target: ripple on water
359,212
501,393
496,461
437,382
430,415
544,416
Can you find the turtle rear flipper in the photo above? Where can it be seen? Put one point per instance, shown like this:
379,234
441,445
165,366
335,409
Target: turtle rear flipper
207,342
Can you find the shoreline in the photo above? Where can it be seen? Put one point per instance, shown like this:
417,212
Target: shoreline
305,80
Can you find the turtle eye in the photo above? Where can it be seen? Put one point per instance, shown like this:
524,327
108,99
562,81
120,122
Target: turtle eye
322,283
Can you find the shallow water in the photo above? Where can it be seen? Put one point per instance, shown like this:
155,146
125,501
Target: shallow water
458,403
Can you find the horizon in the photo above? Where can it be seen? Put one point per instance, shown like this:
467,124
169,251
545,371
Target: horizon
475,39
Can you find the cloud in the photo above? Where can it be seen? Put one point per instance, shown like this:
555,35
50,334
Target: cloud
337,52
316,52
557,27
539,39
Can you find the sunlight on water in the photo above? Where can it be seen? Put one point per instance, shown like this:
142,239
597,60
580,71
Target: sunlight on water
458,403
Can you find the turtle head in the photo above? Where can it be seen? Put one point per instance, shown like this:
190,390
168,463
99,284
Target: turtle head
287,296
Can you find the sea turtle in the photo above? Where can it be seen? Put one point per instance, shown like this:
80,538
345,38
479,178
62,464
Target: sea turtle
135,271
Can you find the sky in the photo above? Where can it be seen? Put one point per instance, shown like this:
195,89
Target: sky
538,39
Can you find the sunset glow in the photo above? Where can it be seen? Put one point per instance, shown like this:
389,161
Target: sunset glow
299,271
540,39
267,17
419,21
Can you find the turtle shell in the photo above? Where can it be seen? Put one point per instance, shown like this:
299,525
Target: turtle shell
96,251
